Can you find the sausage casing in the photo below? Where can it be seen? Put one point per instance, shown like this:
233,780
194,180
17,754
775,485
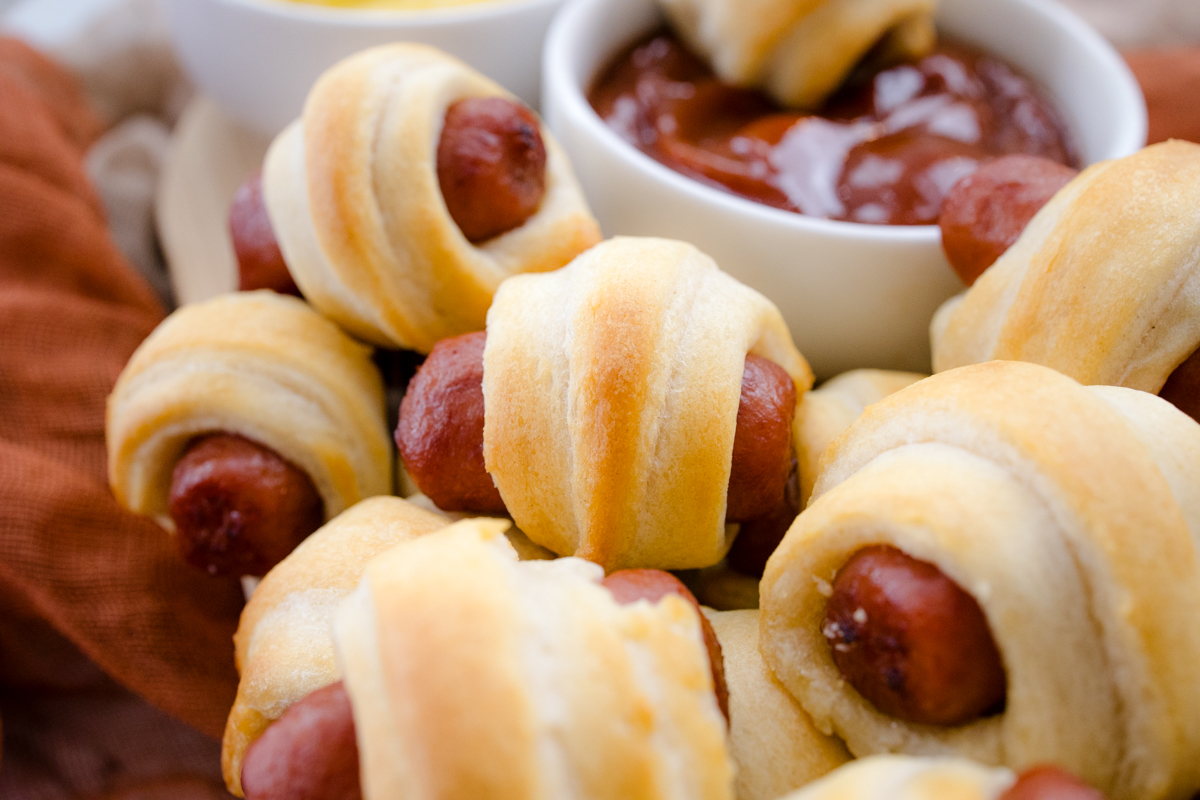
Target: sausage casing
491,165
911,641
309,753
238,507
984,213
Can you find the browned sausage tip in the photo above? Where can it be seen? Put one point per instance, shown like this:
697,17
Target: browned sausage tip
984,213
911,641
1049,782
309,753
762,444
491,165
260,261
440,432
238,507
630,585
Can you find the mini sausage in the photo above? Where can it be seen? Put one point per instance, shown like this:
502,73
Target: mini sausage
911,641
984,213
440,431
630,585
238,507
1049,782
491,165
758,537
309,753
260,261
1182,388
440,434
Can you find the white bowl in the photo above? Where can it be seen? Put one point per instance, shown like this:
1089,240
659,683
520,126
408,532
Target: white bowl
258,58
854,295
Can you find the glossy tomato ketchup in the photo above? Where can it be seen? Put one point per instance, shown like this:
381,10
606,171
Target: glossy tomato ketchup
884,150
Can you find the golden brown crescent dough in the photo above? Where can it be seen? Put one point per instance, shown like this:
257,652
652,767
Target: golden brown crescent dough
774,743
1071,515
611,390
353,196
799,51
1104,283
283,644
911,778
830,408
474,675
261,365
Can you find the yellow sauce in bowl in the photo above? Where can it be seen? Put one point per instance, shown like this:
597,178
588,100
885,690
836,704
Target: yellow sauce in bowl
402,5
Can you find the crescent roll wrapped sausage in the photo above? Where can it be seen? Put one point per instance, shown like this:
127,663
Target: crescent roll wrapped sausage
1003,521
799,51
1103,284
268,370
611,391
773,741
284,645
353,195
474,675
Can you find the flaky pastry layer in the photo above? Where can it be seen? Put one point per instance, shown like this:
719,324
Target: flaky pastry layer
353,196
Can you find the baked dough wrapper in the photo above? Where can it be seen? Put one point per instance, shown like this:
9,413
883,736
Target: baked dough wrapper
1104,283
261,365
774,742
474,675
799,51
352,192
611,390
821,415
909,778
284,644
1072,515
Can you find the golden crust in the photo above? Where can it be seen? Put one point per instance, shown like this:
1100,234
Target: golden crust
773,741
1104,283
611,390
353,196
257,364
1041,499
890,777
799,51
283,644
473,675
831,408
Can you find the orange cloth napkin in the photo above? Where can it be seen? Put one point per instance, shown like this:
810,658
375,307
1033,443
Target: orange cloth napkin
84,583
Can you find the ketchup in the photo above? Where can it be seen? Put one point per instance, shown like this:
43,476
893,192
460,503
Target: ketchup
884,150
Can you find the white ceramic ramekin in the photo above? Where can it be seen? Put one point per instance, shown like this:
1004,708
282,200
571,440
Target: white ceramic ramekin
854,295
258,58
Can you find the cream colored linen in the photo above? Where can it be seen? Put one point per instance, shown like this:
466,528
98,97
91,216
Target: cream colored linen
260,365
909,778
611,390
1070,514
799,51
474,675
773,741
1104,283
353,196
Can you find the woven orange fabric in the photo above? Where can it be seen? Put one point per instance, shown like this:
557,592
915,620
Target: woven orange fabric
89,593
